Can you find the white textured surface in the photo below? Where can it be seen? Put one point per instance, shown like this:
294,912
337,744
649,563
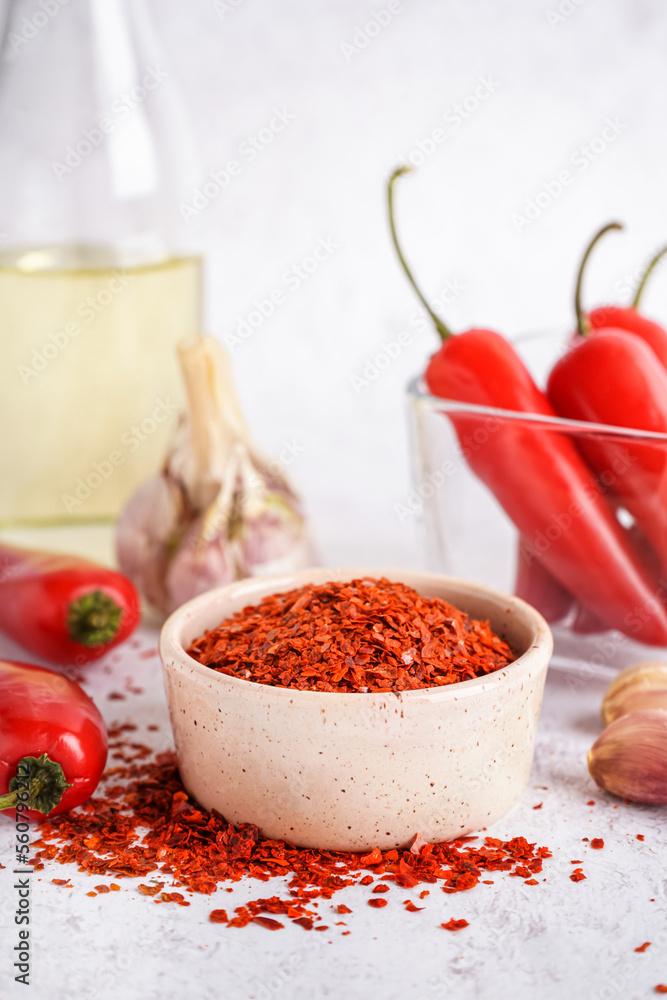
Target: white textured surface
558,939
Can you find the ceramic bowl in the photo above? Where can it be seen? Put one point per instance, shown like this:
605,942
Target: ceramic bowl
347,772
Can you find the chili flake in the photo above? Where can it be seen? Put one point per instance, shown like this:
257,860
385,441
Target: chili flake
147,826
455,925
363,636
597,843
642,947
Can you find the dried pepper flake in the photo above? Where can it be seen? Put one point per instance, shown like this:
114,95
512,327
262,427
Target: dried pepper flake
411,908
597,843
146,826
455,925
60,881
661,988
643,947
363,636
270,924
640,836
577,875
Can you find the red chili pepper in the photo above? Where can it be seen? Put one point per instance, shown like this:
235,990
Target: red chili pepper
535,584
618,317
615,378
538,476
63,608
53,741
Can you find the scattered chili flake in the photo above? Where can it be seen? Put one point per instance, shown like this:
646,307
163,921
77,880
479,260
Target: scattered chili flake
218,916
640,836
661,988
576,862
60,881
270,923
426,892
597,843
538,806
322,927
577,875
104,888
591,802
644,946
115,696
91,894
144,825
150,890
411,908
455,925
381,887
361,636
531,881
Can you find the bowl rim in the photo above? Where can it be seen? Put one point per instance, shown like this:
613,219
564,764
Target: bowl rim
170,645
420,396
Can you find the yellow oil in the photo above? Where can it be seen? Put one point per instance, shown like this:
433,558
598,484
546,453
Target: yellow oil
89,383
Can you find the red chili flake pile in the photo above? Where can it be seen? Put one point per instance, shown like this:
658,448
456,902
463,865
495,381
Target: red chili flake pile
366,635
146,827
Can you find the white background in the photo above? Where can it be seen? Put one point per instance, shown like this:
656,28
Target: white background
357,115
362,104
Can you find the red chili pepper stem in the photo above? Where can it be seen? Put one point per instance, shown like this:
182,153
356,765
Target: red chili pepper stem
93,619
443,330
582,323
649,269
46,785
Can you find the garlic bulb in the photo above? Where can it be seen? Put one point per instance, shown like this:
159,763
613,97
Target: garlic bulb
219,510
643,686
629,759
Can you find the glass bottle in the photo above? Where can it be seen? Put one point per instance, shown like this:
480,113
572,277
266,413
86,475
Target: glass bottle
97,281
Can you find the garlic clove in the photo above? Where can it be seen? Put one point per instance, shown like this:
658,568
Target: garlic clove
642,686
147,523
198,565
629,758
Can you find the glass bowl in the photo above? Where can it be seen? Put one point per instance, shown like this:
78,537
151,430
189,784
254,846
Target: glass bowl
469,534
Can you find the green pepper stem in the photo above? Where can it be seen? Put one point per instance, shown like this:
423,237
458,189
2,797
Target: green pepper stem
93,619
582,326
443,330
39,784
649,269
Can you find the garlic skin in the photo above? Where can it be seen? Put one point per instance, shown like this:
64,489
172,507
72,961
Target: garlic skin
219,510
640,687
629,758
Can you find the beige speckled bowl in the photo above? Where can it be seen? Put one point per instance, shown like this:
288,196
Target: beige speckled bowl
346,772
